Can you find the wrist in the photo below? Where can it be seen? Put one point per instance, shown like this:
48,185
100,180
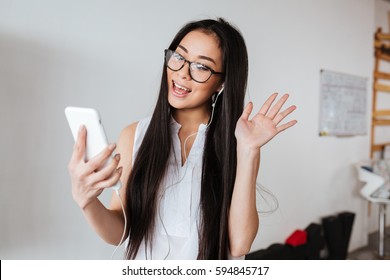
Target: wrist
247,151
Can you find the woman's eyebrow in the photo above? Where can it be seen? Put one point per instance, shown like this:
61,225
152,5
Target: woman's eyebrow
200,56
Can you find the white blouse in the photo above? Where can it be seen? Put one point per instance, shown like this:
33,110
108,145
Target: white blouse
178,215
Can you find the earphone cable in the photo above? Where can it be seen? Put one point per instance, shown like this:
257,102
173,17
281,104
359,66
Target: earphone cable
124,227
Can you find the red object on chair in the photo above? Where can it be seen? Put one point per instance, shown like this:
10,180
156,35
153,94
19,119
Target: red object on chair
298,237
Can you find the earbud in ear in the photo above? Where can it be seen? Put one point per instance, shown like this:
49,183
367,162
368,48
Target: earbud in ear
216,95
219,92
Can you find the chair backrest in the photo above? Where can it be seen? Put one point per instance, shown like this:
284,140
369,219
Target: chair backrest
372,180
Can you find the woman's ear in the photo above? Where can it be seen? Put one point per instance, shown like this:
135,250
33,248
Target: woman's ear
220,89
215,95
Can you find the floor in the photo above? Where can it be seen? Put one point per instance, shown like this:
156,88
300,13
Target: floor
370,252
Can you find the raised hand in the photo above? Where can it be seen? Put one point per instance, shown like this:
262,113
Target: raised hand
265,125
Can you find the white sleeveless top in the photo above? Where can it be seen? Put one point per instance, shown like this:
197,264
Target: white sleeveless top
178,215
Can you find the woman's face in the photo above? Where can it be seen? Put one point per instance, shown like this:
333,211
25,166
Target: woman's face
184,92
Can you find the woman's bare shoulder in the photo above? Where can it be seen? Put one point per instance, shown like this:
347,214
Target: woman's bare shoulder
126,143
128,133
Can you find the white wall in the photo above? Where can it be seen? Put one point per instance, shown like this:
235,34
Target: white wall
108,55
382,8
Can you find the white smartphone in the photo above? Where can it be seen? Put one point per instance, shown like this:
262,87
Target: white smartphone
96,136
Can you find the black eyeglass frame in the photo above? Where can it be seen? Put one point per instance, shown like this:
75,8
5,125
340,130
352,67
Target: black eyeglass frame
212,72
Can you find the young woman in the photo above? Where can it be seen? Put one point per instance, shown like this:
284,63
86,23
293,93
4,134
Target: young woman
189,171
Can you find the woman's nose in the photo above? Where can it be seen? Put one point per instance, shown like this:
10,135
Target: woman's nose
184,72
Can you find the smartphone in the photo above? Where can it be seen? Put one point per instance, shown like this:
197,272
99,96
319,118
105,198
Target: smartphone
96,136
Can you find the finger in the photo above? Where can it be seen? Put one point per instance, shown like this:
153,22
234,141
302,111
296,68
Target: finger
279,117
286,125
275,109
105,172
79,146
110,181
267,104
247,111
98,161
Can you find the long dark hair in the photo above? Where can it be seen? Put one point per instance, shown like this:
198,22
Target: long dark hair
219,158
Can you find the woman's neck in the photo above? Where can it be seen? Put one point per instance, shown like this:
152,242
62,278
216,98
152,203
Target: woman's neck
191,118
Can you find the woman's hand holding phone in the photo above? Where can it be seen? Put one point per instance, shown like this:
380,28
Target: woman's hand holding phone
90,177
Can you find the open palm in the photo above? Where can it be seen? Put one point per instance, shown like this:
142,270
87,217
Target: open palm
265,125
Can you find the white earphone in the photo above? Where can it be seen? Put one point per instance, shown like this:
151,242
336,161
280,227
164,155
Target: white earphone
216,96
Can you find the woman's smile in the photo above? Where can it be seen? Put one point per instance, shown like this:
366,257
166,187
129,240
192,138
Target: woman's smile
179,90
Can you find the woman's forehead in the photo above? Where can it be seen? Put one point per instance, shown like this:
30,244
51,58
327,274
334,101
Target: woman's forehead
198,43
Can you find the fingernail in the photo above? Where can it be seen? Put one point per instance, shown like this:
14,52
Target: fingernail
119,170
111,146
81,128
117,157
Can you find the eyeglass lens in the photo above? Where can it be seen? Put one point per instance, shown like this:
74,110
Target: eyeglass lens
198,72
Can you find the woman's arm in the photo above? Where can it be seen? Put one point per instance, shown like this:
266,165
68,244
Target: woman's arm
251,135
88,184
125,148
243,218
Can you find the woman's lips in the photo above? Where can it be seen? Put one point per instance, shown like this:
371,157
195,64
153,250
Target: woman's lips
179,90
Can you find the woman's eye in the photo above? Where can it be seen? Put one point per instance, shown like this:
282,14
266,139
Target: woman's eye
201,67
178,57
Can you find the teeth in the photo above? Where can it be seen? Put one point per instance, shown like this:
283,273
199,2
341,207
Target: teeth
180,87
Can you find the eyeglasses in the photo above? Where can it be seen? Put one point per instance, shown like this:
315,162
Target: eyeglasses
198,72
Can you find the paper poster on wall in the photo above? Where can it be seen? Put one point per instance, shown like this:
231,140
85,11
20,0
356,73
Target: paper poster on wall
343,100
